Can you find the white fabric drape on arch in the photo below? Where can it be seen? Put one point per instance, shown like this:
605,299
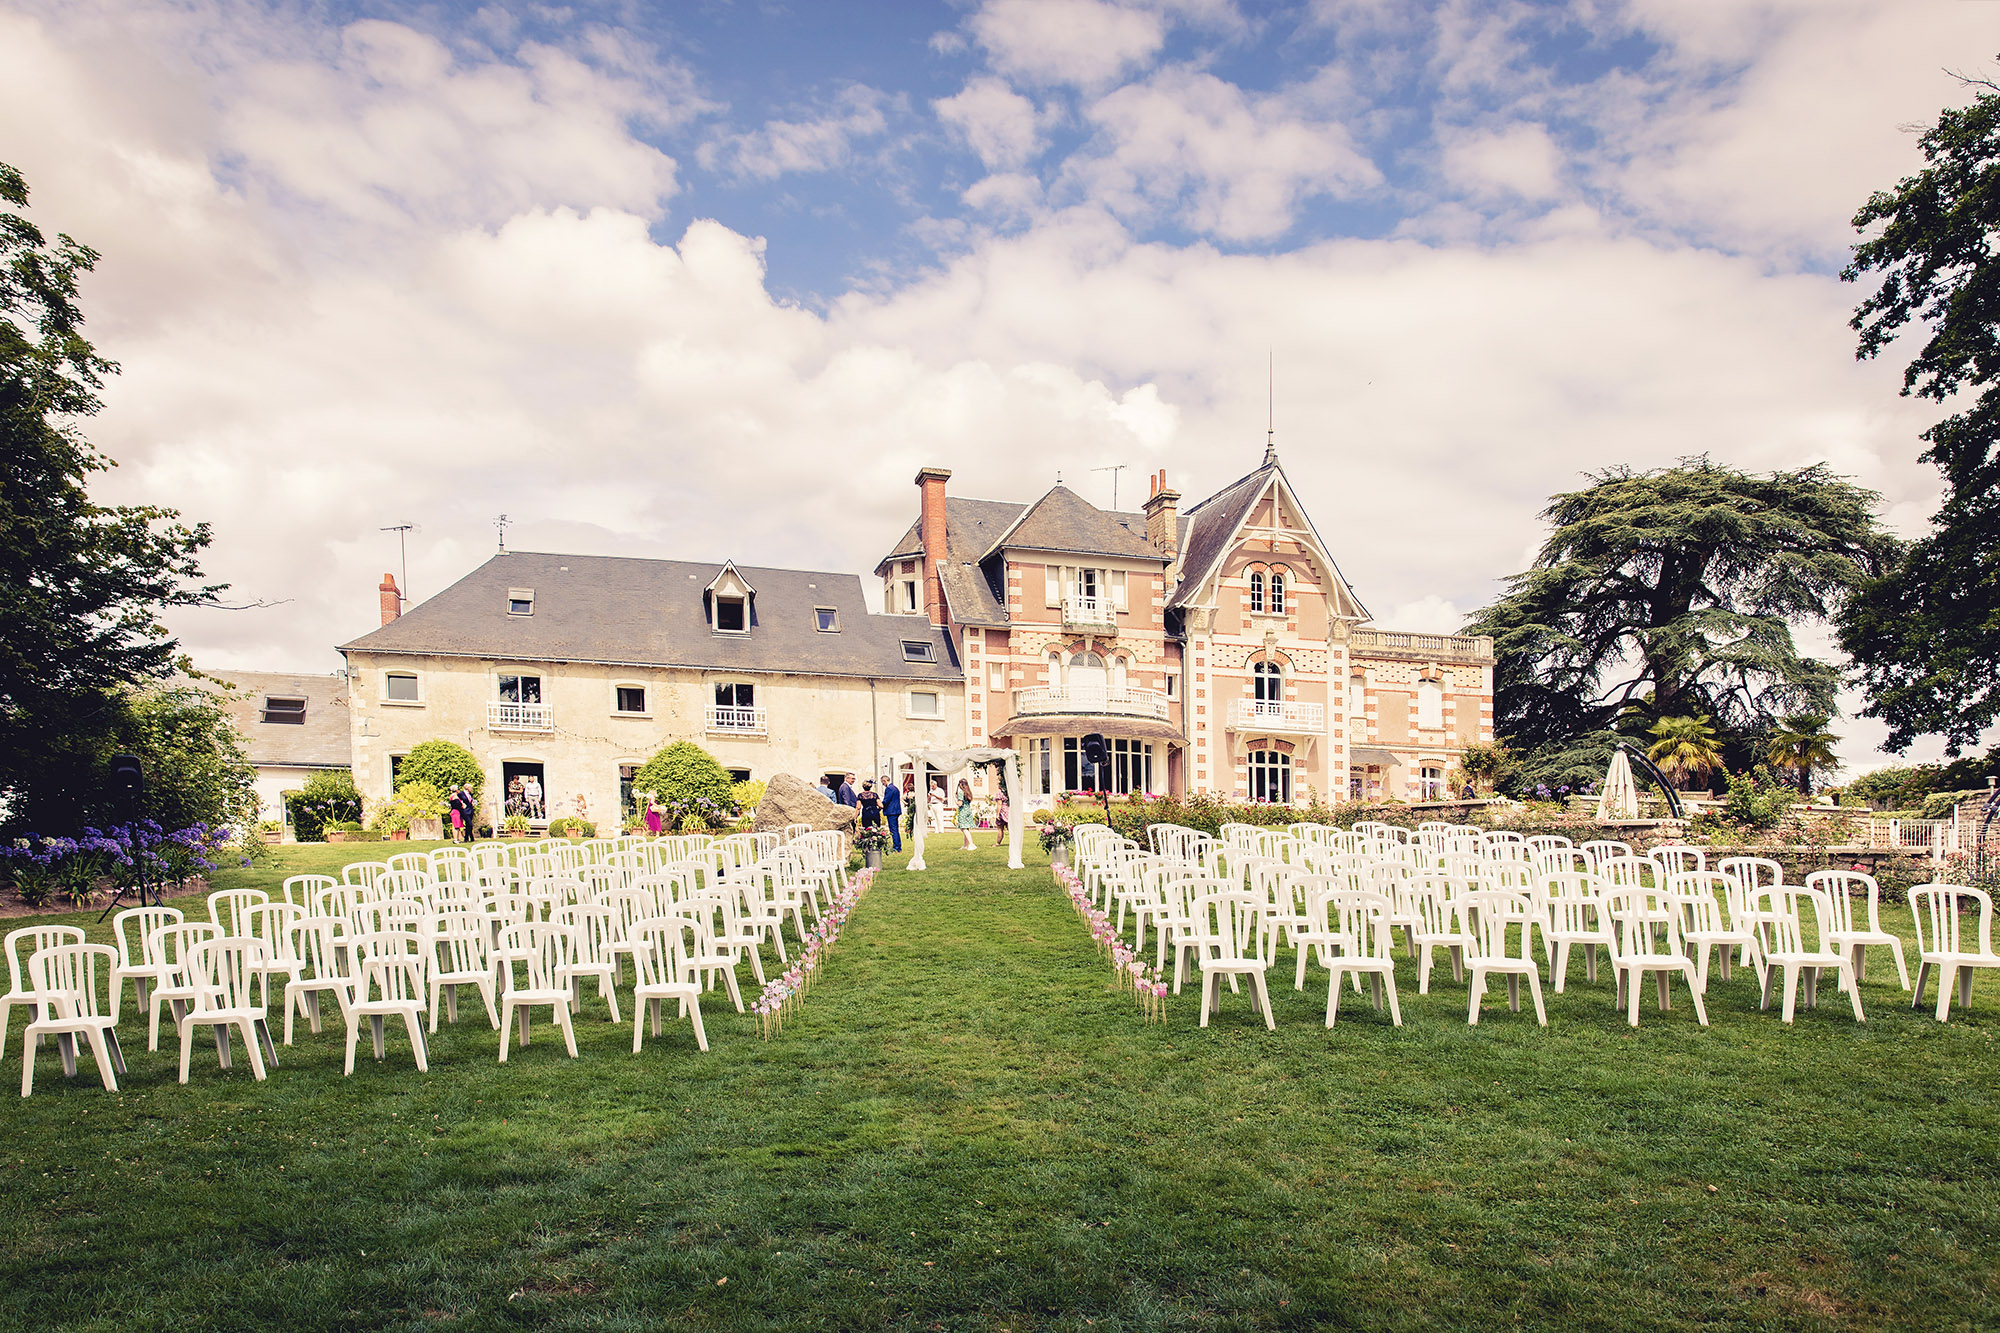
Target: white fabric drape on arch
951,763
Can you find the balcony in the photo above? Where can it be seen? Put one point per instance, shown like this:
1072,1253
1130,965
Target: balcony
538,718
1276,716
1091,699
1090,613
728,721
1428,647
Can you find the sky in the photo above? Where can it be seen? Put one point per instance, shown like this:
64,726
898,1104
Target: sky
712,280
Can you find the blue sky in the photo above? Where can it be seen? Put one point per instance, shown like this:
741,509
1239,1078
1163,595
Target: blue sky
713,280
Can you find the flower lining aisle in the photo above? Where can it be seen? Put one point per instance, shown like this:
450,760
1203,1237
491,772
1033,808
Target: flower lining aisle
1149,986
783,994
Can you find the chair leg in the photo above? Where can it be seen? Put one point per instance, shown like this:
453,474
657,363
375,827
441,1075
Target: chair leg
1264,1000
354,1040
1395,1010
28,1067
1632,980
1333,997
187,1048
1514,992
1947,976
417,1040
1791,984
1561,963
506,1027
1923,979
250,1044
1902,968
700,1034
568,1031
1854,995
1472,999
1535,989
1207,984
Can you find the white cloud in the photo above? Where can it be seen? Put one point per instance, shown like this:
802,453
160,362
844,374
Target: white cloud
1083,42
1188,146
1010,194
996,122
820,144
1519,160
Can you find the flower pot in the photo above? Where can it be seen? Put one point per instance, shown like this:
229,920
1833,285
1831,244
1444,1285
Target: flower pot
872,858
1059,856
335,835
399,835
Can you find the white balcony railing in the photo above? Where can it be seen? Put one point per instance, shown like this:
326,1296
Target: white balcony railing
1092,699
1442,647
736,721
520,717
1089,613
1276,715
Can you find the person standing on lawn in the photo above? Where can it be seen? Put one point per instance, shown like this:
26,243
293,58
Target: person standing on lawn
892,808
846,795
870,805
966,820
1000,815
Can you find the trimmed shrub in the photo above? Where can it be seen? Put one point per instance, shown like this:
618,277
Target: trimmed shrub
443,764
327,800
689,786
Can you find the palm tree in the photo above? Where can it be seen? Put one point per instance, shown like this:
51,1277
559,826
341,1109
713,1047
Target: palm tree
1685,748
1801,746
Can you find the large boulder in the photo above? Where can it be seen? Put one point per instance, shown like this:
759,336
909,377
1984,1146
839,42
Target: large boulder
790,800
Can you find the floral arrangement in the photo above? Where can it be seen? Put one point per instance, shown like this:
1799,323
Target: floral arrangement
784,994
1149,986
1052,831
76,869
872,839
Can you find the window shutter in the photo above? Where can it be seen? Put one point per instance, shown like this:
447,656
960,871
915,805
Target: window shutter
1118,590
1054,578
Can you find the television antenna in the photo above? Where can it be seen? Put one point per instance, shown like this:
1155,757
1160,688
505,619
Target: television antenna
1114,470
501,523
403,531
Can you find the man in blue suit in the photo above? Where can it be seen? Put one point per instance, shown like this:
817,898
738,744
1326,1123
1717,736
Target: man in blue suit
892,808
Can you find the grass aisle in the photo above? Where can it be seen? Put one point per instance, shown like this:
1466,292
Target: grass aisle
966,1128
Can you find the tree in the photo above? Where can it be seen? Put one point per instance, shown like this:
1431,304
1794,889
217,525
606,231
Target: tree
1672,593
1802,746
689,784
1685,748
81,585
446,765
1485,765
327,798
196,769
1925,636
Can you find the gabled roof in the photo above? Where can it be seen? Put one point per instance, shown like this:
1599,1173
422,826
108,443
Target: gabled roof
624,611
323,740
969,529
1064,521
728,568
1209,530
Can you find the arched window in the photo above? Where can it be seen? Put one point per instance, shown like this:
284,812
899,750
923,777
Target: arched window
1118,673
1277,594
1271,776
1256,591
1055,668
1270,683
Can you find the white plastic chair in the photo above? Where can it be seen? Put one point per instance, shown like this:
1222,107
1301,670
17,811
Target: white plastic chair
461,955
1577,915
1439,925
1226,938
1500,938
1946,943
592,933
662,950
221,972
1787,950
21,945
321,944
531,954
1359,920
168,946
130,930
1705,928
66,976
229,909
389,984
1648,931
1850,934
299,889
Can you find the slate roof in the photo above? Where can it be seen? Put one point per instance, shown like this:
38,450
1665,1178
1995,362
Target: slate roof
1206,530
321,741
1064,521
624,611
970,527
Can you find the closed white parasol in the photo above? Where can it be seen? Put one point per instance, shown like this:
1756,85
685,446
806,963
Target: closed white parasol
1620,800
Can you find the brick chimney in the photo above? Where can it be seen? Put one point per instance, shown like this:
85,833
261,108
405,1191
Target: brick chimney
930,526
1162,516
392,600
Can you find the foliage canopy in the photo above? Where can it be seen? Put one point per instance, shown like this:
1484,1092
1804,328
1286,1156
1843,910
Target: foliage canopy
1925,636
445,765
1672,593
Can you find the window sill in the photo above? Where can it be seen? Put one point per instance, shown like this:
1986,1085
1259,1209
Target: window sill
616,713
402,703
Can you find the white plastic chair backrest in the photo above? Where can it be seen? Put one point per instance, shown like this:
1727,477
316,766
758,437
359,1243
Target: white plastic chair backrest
1939,912
1506,838
131,927
363,872
29,940
67,974
334,900
1696,891
592,931
168,946
1785,923
628,907
1600,852
460,942
1362,917
301,888
1500,924
1630,872
1648,924
1678,860
1564,860
1753,873
666,944
1226,924
1840,887
221,971
392,967
1540,843
1576,901
397,882
272,923
538,948
418,861
317,942
794,831
226,908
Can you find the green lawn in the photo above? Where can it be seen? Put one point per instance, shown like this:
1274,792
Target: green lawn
967,1129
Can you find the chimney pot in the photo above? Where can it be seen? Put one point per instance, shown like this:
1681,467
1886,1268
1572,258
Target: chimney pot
931,528
1162,517
392,599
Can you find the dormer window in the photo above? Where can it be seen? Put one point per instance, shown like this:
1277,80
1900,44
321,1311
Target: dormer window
729,615
520,601
729,598
915,650
826,619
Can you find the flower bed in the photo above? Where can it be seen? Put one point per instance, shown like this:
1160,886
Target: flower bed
783,995
80,870
1148,985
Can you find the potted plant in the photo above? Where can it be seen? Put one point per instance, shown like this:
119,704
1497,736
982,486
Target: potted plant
1055,841
870,842
514,826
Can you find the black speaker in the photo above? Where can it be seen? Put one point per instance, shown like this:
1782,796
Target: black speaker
128,778
1095,752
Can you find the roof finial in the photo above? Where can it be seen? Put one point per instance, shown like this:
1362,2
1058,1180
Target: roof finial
1271,410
